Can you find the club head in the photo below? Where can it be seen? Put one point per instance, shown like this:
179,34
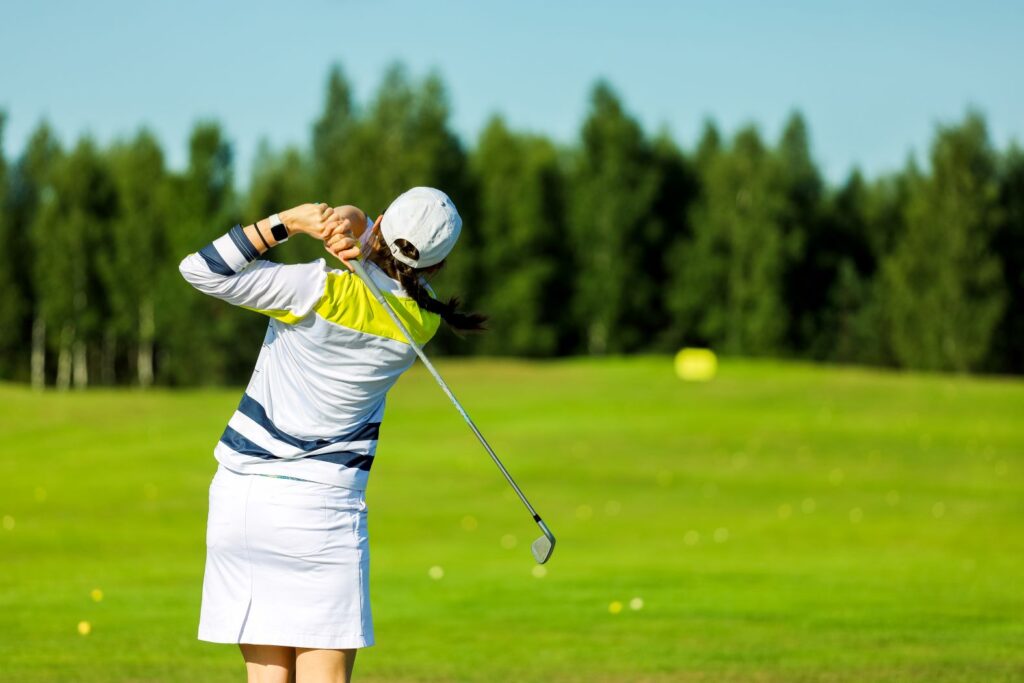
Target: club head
543,546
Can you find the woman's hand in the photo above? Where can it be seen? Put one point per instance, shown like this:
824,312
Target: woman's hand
315,220
341,241
342,247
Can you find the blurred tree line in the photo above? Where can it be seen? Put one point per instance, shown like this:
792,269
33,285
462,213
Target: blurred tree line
619,243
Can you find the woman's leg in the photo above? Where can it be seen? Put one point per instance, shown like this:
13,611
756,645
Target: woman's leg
269,663
323,666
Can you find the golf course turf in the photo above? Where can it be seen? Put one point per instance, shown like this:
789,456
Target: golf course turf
783,522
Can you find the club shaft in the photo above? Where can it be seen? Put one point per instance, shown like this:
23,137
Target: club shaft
375,290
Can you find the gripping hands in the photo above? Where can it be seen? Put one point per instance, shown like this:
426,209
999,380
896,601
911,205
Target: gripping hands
338,227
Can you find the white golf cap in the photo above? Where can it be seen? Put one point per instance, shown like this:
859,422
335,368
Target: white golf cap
427,219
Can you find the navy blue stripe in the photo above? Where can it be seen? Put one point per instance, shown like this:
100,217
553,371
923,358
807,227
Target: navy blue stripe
213,259
251,408
238,443
356,460
237,235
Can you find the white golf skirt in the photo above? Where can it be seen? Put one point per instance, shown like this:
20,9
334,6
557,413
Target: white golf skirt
287,563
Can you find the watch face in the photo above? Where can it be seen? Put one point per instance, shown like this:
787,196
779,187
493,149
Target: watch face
279,232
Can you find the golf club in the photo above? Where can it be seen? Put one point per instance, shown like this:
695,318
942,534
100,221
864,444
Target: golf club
543,546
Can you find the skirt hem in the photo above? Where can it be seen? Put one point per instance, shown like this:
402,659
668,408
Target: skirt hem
319,642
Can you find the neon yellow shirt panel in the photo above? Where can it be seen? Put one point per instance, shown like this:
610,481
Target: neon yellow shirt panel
349,303
283,315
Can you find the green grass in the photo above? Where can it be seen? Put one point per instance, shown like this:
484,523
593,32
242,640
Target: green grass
782,523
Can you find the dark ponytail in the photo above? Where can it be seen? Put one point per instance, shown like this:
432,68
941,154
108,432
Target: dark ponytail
409,278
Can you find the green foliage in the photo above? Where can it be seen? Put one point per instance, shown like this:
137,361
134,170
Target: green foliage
136,252
728,288
76,210
403,141
280,180
678,189
523,257
202,197
12,304
802,191
331,135
708,147
618,243
615,233
1007,352
944,290
31,187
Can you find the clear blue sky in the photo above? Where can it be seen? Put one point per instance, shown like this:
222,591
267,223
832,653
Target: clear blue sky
872,78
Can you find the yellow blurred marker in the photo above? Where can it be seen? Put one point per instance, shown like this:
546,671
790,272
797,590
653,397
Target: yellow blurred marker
615,607
96,594
696,365
84,628
436,573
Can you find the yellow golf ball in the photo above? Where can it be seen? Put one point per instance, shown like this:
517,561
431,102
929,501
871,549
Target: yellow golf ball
696,365
84,627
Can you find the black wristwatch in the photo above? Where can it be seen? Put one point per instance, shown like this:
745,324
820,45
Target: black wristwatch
277,229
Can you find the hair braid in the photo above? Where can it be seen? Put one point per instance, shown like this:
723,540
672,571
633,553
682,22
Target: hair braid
409,278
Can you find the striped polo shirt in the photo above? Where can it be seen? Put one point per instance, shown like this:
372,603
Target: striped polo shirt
313,407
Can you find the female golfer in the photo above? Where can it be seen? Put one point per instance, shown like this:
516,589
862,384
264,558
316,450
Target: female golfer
287,562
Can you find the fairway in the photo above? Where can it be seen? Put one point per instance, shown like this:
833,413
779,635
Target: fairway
784,522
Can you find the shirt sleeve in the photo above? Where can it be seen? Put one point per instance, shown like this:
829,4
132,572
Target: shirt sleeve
228,269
